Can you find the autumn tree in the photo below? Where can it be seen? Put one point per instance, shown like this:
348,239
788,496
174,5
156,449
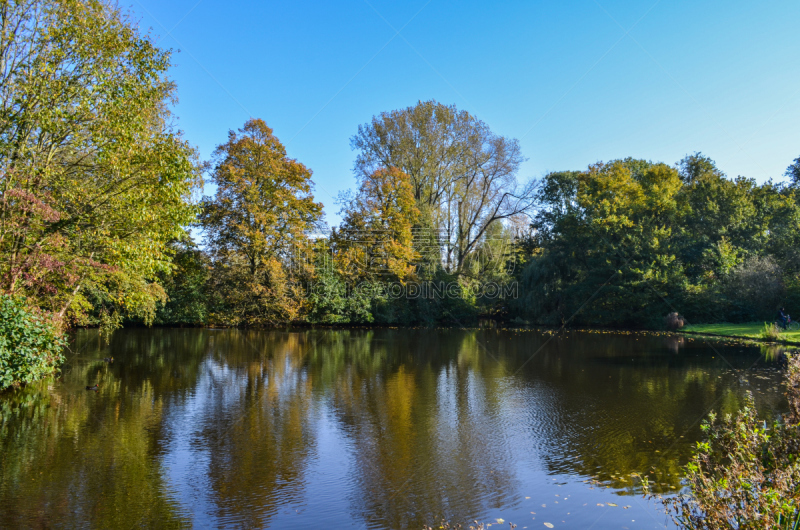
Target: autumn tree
256,224
375,237
95,180
462,174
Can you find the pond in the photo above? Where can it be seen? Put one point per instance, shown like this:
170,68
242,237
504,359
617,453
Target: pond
360,428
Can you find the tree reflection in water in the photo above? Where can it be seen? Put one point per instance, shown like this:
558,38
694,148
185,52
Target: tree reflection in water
388,428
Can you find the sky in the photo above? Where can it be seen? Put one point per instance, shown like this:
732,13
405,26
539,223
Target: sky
575,82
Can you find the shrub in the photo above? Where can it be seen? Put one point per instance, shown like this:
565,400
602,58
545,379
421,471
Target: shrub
674,321
744,474
30,345
771,332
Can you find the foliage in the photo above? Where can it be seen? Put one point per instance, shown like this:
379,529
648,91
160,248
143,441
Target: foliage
256,228
375,237
771,332
624,242
793,172
332,300
745,475
604,238
94,178
30,345
462,174
187,297
755,287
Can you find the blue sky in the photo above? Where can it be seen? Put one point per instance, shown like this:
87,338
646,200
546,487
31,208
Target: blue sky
574,81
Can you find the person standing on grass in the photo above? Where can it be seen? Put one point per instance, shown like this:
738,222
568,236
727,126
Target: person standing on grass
784,318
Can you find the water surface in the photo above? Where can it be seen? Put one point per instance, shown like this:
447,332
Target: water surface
365,428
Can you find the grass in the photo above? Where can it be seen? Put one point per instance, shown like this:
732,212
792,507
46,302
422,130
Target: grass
752,330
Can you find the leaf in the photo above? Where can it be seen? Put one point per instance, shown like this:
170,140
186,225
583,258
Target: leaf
548,525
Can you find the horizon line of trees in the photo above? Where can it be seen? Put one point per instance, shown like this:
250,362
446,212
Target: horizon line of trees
96,205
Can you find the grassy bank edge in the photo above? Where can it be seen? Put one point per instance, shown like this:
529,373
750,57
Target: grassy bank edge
746,331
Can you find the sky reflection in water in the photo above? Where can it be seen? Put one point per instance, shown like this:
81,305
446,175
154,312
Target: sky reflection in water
365,428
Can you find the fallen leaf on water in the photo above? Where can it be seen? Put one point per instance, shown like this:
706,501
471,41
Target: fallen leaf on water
600,504
544,506
611,504
500,521
527,497
548,525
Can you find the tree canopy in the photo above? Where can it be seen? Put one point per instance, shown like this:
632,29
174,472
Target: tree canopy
256,227
626,242
463,175
96,180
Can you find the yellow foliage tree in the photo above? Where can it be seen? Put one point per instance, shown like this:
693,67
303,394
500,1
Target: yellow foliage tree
375,238
255,225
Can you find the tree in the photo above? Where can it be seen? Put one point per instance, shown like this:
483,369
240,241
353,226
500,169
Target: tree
463,175
255,226
603,239
626,242
375,237
793,172
95,181
186,287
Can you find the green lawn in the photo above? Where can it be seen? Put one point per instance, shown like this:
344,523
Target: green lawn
749,329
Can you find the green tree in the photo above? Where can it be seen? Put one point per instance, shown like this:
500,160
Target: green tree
626,242
603,244
793,172
95,181
187,297
256,228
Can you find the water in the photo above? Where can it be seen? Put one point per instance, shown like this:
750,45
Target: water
365,428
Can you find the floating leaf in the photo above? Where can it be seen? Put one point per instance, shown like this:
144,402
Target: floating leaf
600,504
548,525
611,504
500,521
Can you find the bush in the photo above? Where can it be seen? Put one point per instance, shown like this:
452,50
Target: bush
745,475
771,332
30,345
674,321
